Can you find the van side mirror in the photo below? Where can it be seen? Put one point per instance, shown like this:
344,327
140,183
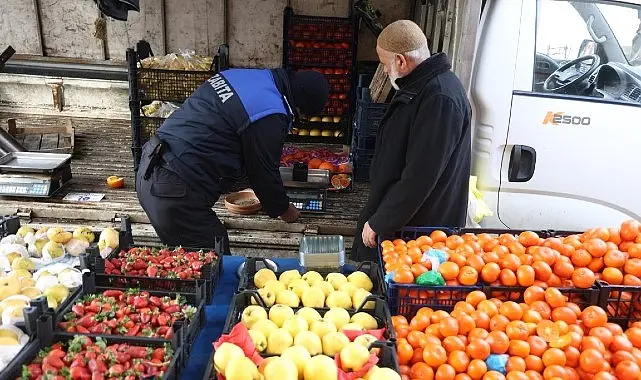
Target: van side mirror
588,47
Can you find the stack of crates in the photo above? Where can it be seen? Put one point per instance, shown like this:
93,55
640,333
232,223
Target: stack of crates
327,45
153,84
367,120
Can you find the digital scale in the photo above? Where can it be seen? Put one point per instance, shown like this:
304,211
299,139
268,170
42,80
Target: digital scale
33,174
306,188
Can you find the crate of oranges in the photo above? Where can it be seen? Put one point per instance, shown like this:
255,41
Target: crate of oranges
599,266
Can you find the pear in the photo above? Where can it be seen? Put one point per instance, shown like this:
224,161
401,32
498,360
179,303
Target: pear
84,233
23,263
262,276
57,292
24,230
53,250
361,280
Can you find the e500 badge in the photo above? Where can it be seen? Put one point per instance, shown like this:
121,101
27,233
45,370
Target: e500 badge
556,118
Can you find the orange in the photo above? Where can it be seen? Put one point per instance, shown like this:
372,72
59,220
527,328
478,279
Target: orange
534,363
449,270
565,314
594,316
554,297
596,247
630,229
493,375
490,272
115,182
533,293
499,342
438,236
553,356
445,372
434,355
542,308
476,369
583,278
603,334
555,372
507,277
421,371
591,360
478,349
511,310
525,275
458,360
612,276
468,276
519,348
547,330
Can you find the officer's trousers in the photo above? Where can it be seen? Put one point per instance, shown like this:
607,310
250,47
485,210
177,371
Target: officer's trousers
180,215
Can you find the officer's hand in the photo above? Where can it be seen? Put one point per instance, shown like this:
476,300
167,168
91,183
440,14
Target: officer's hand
291,214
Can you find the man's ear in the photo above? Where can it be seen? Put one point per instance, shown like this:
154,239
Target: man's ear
401,62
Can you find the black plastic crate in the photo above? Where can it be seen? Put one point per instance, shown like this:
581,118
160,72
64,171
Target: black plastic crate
407,299
371,269
96,284
47,337
368,114
210,273
318,28
244,298
582,297
9,225
387,359
320,57
622,303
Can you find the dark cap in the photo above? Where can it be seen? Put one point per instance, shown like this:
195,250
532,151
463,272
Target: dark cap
310,91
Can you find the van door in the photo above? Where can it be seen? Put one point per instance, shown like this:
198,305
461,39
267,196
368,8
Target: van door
571,158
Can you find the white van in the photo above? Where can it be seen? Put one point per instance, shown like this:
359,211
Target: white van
556,94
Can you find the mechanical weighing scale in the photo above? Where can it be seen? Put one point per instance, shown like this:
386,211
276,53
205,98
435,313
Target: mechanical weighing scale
306,188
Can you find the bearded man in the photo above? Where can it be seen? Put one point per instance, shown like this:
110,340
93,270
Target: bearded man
420,172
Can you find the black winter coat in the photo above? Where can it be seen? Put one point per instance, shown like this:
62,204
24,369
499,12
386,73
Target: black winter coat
420,172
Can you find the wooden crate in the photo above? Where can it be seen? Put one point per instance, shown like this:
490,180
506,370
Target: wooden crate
50,139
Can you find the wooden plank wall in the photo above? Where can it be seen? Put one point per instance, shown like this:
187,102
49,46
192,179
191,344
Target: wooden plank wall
72,28
450,27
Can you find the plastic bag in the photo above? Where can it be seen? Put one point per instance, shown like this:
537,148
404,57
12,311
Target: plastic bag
159,109
239,336
497,363
353,334
476,208
430,278
183,60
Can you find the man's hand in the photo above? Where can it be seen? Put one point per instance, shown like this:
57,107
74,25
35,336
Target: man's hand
291,214
369,236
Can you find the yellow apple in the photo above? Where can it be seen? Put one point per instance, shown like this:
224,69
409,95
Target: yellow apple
262,276
275,286
280,313
295,325
224,354
253,314
287,297
320,367
261,367
353,357
325,286
259,339
241,368
265,326
298,286
308,314
281,369
352,327
366,321
310,341
268,297
312,277
348,288
322,327
366,340
298,355
313,297
278,341
289,276
336,279
339,298
384,374
338,316
359,296
333,343
361,280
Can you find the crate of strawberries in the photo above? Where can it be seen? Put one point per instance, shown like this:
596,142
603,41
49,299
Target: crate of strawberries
100,309
168,269
55,356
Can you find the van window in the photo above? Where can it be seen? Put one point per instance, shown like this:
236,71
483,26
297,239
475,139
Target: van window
560,36
601,39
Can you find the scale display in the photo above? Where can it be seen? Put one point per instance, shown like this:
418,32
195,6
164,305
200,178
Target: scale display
33,184
308,200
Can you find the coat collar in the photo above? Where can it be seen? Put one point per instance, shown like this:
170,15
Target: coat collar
412,84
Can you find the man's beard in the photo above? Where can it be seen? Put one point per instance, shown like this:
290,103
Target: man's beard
393,76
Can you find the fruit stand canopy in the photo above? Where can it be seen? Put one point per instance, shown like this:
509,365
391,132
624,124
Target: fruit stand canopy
103,149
